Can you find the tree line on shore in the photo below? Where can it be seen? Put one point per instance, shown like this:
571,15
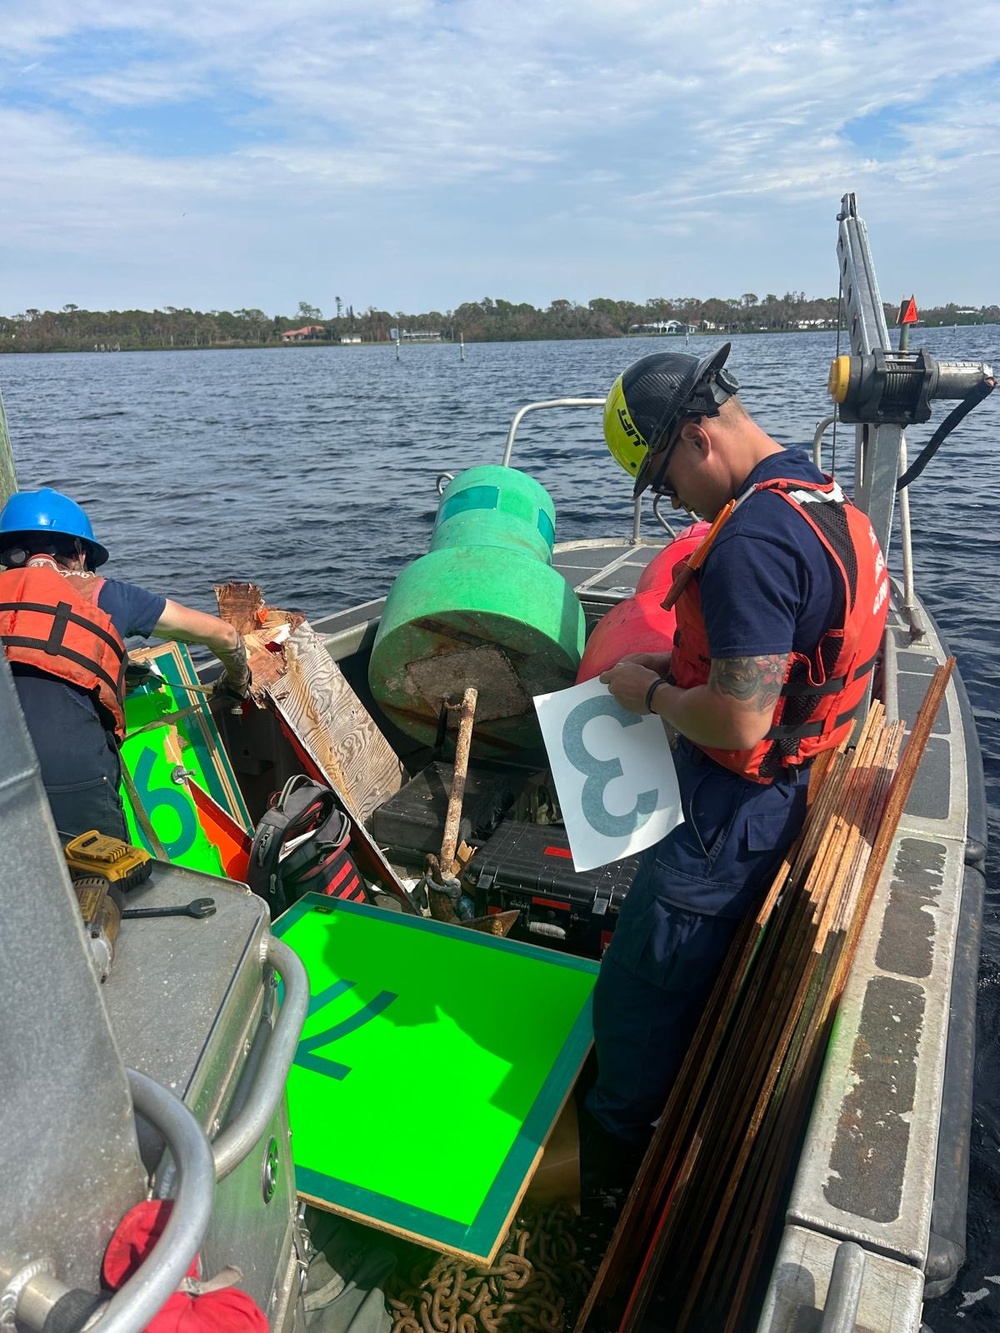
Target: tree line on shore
72,329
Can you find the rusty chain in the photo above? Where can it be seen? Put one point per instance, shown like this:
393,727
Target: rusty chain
535,1282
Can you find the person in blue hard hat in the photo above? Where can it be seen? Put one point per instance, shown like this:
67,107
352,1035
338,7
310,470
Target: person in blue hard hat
63,628
777,633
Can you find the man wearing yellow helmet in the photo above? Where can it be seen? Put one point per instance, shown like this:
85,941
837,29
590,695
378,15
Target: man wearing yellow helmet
776,638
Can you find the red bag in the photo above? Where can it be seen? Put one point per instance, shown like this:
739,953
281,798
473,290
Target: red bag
192,1309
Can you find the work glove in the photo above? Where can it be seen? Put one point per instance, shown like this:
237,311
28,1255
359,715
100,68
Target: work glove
141,673
232,691
234,684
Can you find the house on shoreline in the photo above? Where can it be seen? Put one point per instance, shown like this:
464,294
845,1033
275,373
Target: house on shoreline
306,334
674,326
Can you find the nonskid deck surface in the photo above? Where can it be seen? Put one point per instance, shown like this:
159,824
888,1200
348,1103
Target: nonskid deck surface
605,570
883,1162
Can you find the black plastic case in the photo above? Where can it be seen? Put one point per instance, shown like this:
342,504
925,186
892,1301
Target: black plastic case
529,867
411,823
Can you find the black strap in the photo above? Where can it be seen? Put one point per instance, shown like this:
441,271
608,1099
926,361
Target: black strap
262,870
60,620
81,659
63,615
65,612
331,836
808,729
799,688
975,396
302,804
796,689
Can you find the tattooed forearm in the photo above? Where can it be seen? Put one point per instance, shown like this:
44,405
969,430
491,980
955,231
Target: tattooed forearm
750,679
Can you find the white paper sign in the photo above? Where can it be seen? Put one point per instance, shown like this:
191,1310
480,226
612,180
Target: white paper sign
613,771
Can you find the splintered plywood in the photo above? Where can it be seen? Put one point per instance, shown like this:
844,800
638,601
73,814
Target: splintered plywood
432,1066
333,725
293,669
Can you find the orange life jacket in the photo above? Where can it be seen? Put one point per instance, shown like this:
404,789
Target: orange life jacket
51,621
821,693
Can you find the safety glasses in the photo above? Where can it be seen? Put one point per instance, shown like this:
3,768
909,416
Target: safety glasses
659,460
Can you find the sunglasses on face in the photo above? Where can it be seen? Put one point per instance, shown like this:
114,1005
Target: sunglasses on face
661,459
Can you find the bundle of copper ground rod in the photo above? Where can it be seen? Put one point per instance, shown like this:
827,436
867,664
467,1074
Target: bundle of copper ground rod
702,1210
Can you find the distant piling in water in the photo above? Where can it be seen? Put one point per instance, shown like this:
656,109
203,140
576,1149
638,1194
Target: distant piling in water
8,474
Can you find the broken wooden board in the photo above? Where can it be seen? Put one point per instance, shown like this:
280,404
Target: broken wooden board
333,724
293,670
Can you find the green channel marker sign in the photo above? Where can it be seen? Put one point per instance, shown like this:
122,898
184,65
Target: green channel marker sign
432,1066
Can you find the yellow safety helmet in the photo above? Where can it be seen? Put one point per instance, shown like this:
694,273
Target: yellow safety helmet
627,446
647,400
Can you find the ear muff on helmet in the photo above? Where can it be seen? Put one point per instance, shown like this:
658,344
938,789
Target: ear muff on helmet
12,554
30,513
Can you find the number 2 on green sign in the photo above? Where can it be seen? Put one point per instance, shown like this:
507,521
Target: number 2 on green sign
319,1064
599,772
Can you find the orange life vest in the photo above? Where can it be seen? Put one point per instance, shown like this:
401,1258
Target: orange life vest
51,621
821,693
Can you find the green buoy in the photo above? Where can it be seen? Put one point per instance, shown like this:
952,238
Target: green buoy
484,607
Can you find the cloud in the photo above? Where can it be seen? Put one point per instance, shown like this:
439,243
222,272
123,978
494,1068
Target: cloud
602,129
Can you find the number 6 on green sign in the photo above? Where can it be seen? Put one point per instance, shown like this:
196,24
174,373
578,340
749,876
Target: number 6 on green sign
164,797
599,772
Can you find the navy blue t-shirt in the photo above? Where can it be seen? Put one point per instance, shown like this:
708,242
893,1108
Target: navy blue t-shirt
132,610
768,585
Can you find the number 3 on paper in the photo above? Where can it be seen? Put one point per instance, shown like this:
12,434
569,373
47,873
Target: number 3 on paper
599,772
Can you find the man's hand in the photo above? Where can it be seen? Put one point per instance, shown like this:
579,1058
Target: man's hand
629,682
733,710
658,662
141,673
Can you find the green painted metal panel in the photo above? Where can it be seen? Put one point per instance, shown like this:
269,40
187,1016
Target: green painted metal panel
151,758
201,735
188,739
431,1068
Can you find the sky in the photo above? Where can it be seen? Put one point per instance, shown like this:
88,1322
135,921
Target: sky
415,154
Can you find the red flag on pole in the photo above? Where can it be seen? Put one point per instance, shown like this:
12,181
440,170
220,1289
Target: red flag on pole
907,312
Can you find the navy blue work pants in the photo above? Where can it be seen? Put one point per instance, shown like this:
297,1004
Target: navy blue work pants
676,925
79,760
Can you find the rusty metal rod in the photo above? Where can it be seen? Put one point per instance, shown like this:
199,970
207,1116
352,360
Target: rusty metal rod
449,843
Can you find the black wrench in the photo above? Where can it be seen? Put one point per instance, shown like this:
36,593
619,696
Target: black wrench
199,907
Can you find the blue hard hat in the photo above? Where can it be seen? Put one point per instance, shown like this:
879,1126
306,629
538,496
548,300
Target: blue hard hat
27,513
